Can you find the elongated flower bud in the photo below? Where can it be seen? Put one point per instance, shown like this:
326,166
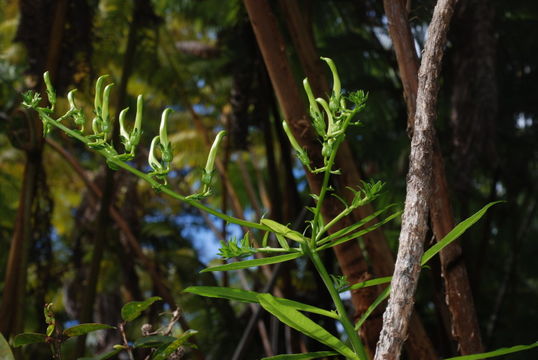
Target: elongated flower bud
315,113
97,100
51,94
210,164
124,134
335,97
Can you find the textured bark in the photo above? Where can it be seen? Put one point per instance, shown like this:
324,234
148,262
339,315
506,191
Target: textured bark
349,255
458,297
419,190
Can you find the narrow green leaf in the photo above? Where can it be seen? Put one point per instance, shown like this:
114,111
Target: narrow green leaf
255,262
252,297
455,233
283,242
300,322
153,341
494,353
165,351
358,233
355,226
133,309
83,329
28,338
371,308
5,349
310,355
367,283
283,230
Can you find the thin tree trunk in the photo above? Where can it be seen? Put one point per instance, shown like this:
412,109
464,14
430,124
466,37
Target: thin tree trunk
458,296
419,190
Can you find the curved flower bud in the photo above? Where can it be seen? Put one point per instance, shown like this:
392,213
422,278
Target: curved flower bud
210,164
315,113
97,100
301,153
166,147
330,120
334,102
106,125
124,134
51,94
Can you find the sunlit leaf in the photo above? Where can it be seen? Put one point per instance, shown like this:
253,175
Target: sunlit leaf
300,322
252,297
5,349
255,262
283,230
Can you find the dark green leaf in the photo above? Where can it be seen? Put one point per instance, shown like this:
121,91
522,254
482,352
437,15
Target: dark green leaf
255,262
311,355
498,352
455,233
5,349
28,338
166,350
83,329
133,309
299,322
153,341
252,297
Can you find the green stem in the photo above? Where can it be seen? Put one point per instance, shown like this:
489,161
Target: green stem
342,314
322,193
155,184
332,222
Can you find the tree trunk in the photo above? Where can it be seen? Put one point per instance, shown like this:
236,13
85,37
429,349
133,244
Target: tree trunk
419,190
458,297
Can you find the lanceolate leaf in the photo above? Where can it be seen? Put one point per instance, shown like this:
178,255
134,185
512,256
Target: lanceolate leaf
166,350
133,309
5,350
456,233
283,230
358,233
252,297
311,355
299,322
255,262
498,352
83,329
355,226
367,283
28,338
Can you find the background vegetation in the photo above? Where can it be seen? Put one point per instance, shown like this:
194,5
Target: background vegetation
201,59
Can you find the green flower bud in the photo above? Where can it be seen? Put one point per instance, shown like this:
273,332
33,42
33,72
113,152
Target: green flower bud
124,134
106,125
98,87
315,113
51,94
210,164
301,153
335,98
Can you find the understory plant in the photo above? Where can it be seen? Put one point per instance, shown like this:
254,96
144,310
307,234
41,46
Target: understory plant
266,242
159,343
